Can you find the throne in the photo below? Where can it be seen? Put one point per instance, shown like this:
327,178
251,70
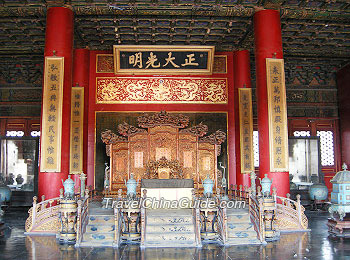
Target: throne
163,169
162,147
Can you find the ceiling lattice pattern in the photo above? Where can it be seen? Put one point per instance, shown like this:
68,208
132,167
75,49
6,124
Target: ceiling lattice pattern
310,28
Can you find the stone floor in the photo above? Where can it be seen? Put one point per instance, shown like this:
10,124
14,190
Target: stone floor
310,245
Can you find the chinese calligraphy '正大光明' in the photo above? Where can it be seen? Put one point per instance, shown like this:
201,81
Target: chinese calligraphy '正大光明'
136,60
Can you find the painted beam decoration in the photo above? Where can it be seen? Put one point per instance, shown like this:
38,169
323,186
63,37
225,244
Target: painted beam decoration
246,129
112,90
76,131
51,136
277,111
165,60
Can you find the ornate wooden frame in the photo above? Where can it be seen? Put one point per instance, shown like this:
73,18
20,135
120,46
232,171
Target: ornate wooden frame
162,141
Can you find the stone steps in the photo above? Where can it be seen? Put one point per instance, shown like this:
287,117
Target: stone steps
240,228
101,219
173,228
164,220
99,230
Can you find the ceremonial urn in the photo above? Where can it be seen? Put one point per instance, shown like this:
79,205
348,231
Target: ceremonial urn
318,192
131,186
68,185
266,185
5,192
208,185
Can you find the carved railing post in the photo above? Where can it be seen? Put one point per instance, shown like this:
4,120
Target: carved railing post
82,184
261,218
79,230
120,196
117,227
43,205
249,199
231,192
35,198
143,218
288,200
235,191
299,210
259,191
240,191
245,193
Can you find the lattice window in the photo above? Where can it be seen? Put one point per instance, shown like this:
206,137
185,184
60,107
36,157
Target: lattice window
256,148
327,147
35,133
15,133
301,133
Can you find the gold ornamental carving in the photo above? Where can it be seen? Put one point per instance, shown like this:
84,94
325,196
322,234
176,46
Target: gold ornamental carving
114,90
162,147
164,169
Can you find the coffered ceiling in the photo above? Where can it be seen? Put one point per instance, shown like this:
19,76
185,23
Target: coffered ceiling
311,29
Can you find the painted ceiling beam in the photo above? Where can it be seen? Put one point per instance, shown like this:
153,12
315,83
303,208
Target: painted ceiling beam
178,10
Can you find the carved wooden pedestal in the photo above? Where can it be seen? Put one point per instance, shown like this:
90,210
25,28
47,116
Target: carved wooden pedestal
339,228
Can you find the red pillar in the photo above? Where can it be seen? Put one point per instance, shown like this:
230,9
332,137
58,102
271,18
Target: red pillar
81,65
241,73
59,38
343,83
268,44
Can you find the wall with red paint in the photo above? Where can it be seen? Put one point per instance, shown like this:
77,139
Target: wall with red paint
146,107
343,82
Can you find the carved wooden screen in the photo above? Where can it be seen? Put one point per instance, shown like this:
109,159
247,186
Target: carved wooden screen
119,158
162,135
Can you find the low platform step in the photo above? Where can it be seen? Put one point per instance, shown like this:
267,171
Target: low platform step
243,241
172,228
99,228
241,219
96,244
243,234
101,219
172,245
151,220
182,237
89,236
234,227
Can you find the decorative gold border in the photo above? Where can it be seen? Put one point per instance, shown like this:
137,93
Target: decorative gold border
283,104
80,122
208,112
118,48
43,165
160,102
242,118
97,55
225,72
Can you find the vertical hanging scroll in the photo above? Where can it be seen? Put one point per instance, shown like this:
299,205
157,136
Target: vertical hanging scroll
76,130
277,111
50,160
246,129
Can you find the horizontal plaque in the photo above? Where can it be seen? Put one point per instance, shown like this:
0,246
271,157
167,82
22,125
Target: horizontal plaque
165,60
